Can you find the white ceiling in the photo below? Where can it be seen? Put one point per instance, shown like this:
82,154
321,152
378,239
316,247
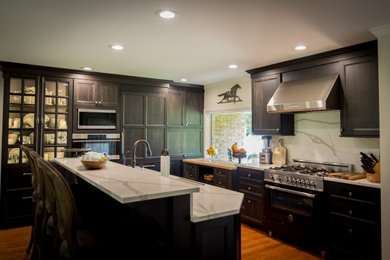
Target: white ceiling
199,44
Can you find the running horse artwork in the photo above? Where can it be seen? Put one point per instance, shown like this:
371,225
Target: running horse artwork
230,96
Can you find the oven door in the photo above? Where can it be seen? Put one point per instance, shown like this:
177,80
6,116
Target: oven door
292,213
100,143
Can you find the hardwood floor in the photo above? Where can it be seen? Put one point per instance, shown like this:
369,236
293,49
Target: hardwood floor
14,242
255,245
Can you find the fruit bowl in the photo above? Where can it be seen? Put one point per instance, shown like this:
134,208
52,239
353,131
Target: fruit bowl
94,164
239,154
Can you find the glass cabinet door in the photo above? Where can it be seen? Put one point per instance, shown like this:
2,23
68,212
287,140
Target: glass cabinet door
56,117
22,113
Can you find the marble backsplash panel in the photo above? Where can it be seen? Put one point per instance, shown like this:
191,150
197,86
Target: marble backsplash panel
317,138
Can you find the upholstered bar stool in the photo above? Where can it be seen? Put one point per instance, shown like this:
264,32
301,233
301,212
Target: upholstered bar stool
37,197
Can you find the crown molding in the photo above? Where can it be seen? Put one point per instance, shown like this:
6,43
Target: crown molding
381,30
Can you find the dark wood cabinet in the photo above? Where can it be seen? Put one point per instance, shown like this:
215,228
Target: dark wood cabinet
251,183
185,108
264,123
95,93
38,113
358,70
191,171
353,221
220,177
185,120
360,106
143,117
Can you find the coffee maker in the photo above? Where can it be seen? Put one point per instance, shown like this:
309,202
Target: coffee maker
266,153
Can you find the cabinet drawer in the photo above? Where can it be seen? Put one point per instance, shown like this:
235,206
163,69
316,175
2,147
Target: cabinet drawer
189,166
190,175
359,238
251,174
354,209
18,203
249,187
221,172
341,190
15,180
221,181
252,209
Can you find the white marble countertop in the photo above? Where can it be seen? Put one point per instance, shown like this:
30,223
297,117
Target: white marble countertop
212,202
361,182
127,184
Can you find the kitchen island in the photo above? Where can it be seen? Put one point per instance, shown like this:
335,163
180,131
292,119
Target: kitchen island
192,220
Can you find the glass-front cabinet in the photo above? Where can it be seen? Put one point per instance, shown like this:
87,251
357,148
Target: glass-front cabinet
56,117
38,116
22,112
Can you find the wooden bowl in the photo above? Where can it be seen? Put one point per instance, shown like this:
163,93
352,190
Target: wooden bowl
93,164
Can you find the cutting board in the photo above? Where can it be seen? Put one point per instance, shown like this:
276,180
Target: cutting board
346,175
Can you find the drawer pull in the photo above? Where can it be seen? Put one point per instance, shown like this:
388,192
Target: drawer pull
350,212
350,194
243,207
249,201
350,231
249,175
27,173
219,182
26,197
249,188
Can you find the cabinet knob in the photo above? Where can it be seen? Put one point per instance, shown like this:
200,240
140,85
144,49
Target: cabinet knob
277,129
100,102
350,194
350,212
243,207
341,129
249,188
219,182
249,175
27,173
249,201
350,231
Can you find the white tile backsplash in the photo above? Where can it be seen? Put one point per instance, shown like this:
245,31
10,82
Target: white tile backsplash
317,138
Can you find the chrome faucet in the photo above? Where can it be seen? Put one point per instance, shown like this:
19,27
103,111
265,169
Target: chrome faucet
133,149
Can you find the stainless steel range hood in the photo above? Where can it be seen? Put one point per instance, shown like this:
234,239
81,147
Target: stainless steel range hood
312,94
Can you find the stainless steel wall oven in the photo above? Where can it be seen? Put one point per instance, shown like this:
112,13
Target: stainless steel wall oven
101,143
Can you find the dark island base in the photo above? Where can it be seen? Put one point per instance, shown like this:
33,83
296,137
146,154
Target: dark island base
154,229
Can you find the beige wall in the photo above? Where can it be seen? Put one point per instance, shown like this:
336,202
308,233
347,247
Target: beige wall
383,35
211,100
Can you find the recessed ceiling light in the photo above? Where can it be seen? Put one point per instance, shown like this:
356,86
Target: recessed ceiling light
233,66
166,14
86,68
117,47
300,47
183,80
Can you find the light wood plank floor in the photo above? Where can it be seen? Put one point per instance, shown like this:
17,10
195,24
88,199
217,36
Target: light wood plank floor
255,245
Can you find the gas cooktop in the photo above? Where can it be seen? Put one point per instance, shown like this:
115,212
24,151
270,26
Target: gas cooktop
304,174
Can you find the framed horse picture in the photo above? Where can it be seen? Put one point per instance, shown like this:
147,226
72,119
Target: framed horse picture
230,95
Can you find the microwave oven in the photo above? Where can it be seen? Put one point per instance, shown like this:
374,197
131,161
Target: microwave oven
96,118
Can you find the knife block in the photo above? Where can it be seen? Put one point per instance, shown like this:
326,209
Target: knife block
375,177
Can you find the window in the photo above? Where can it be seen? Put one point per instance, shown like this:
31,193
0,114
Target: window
230,128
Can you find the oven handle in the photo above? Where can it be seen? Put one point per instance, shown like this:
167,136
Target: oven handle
95,141
305,194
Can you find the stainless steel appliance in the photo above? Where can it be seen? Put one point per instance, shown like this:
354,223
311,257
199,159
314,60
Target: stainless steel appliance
311,94
101,143
96,118
293,201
